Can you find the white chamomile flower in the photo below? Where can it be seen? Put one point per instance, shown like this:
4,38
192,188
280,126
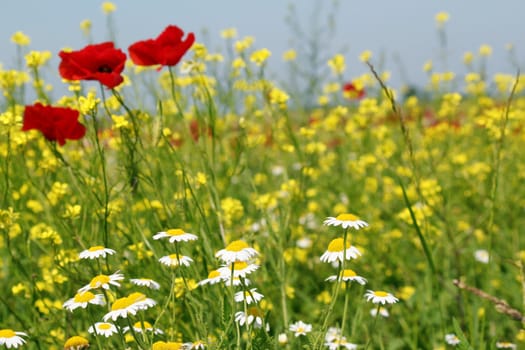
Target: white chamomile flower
197,345
252,316
337,252
82,300
236,251
103,281
345,221
174,260
96,252
300,328
240,269
103,328
145,282
129,305
347,275
482,256
505,345
380,297
250,296
143,326
12,339
213,278
176,235
236,281
340,343
382,312
452,339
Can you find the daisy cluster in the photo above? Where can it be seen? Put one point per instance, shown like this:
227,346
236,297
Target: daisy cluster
340,251
103,289
238,262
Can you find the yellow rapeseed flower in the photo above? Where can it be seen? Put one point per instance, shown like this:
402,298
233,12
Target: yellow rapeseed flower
120,122
108,7
337,64
406,292
441,18
289,55
468,57
88,103
214,57
58,191
85,26
199,50
365,56
12,78
323,100
278,97
427,67
36,59
20,39
72,211
232,210
35,206
324,297
229,33
244,44
238,63
485,50
259,57
19,289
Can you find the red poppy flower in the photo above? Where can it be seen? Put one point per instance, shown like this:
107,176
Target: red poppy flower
352,92
101,62
56,123
166,50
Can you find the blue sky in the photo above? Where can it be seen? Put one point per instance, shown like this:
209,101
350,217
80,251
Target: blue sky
402,28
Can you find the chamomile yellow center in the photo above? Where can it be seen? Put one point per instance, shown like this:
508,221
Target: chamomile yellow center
175,257
337,245
104,326
83,297
75,341
99,280
347,217
96,248
125,302
239,265
214,274
175,232
135,297
121,303
254,311
161,345
7,333
380,294
237,246
348,273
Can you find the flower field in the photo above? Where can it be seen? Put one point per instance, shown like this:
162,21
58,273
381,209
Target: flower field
179,198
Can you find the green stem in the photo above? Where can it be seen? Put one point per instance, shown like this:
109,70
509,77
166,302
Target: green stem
95,333
7,167
345,309
497,164
102,157
335,293
422,239
373,327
